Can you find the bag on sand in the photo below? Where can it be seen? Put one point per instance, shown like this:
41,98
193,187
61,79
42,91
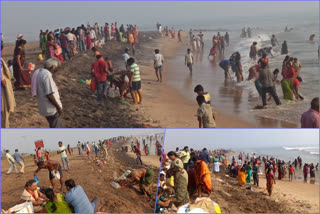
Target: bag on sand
26,207
93,86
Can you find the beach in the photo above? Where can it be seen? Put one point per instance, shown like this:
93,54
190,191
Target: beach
94,179
163,105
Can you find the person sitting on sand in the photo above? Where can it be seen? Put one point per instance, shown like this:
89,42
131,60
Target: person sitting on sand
135,81
310,118
77,198
32,193
162,202
188,60
205,115
143,177
225,65
203,177
200,91
56,202
54,168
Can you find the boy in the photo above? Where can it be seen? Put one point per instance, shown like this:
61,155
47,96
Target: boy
135,80
200,91
158,61
291,172
188,60
205,116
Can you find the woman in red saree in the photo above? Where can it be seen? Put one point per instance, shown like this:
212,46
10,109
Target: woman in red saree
270,181
203,177
22,76
135,34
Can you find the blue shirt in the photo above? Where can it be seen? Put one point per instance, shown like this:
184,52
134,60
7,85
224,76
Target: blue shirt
79,200
224,63
17,157
204,156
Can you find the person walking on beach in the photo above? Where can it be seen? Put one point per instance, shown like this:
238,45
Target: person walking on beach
135,81
310,118
189,60
79,148
8,102
19,159
270,181
265,78
138,154
11,162
47,93
205,115
158,62
63,154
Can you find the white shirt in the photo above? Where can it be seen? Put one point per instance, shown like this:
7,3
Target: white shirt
92,34
46,86
9,158
70,37
158,58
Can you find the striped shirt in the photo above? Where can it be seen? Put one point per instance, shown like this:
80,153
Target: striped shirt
134,68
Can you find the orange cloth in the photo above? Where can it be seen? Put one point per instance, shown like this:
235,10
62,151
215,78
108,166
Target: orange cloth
131,38
241,177
202,171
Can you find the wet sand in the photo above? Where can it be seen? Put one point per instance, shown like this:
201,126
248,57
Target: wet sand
91,177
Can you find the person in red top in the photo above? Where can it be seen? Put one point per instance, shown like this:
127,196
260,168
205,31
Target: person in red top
265,59
99,73
138,153
296,85
291,172
47,155
289,72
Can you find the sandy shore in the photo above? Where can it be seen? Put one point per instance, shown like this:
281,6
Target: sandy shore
91,177
163,106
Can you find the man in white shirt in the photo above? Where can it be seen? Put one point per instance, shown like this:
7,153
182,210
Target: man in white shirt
64,158
93,37
11,162
49,103
189,60
158,62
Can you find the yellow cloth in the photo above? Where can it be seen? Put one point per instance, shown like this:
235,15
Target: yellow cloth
131,38
8,102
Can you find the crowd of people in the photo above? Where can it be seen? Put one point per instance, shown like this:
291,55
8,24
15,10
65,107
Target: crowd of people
247,167
187,173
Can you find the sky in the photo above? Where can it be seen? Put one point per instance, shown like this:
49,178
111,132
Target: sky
239,138
29,17
23,139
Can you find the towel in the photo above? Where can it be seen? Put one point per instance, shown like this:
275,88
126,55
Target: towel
34,83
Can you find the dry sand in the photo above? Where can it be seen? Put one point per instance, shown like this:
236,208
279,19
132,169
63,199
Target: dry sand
92,179
162,105
293,197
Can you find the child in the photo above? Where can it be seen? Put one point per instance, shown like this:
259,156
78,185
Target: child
47,155
200,91
291,172
189,60
161,201
162,181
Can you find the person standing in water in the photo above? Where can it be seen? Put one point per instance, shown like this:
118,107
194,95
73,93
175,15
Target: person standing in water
274,41
188,60
226,37
284,48
253,51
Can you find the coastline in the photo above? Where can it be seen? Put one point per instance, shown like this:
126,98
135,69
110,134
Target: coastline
158,109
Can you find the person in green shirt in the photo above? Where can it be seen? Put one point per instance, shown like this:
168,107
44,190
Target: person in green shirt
185,156
56,203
